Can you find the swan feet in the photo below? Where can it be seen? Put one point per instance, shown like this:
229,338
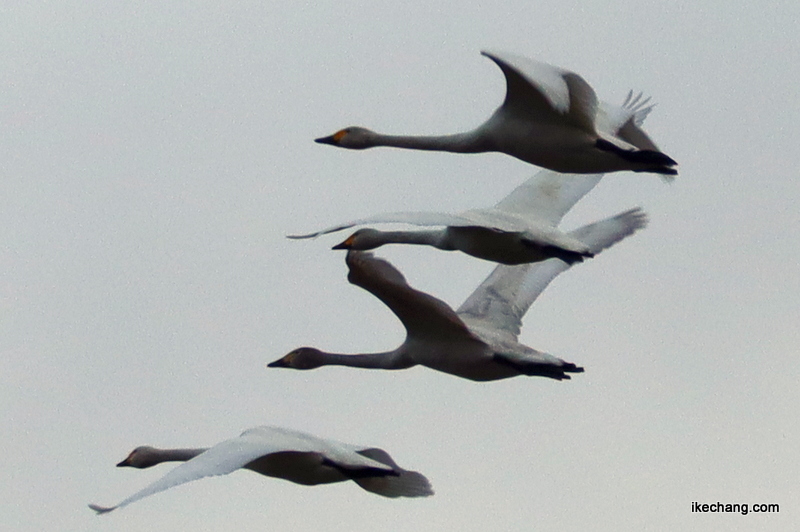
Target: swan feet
533,368
360,472
570,257
660,163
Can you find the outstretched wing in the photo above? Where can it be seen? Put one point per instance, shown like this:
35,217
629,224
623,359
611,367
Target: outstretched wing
625,121
548,195
421,314
413,218
605,233
222,459
505,296
546,93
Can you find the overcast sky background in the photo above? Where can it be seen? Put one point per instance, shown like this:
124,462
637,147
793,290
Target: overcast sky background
153,157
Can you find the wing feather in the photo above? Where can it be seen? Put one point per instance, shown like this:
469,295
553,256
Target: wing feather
548,195
501,301
222,459
413,218
625,121
533,87
420,313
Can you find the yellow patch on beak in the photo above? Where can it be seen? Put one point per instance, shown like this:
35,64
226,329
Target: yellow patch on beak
339,135
347,244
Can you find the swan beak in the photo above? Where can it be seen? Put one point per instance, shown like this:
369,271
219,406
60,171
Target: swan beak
347,244
280,363
334,139
327,140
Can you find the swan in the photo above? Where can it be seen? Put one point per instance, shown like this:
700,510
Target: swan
281,453
521,228
550,118
479,340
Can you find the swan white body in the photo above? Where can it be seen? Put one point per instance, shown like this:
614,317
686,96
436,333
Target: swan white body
477,342
282,453
521,228
550,117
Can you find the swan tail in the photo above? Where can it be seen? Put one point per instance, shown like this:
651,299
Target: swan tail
533,368
651,160
570,257
404,484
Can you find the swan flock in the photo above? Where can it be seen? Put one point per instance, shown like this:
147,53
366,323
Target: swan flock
550,118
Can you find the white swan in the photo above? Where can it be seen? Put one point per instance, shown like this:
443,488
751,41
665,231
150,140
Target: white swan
281,453
521,228
477,342
550,118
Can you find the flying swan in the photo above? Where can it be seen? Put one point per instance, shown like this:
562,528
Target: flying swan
281,453
550,118
479,340
521,228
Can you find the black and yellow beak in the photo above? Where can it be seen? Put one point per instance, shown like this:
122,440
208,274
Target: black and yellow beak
334,139
347,244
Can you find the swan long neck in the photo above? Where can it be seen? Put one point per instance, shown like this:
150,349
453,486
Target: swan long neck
386,360
469,142
436,238
177,455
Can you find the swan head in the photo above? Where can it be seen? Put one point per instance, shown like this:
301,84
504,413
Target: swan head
362,239
300,358
354,138
141,458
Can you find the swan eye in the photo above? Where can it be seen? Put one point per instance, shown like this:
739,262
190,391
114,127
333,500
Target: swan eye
339,135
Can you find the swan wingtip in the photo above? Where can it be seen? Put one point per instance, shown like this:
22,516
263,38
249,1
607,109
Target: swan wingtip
101,509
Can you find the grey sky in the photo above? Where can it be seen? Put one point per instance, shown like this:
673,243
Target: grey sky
154,157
